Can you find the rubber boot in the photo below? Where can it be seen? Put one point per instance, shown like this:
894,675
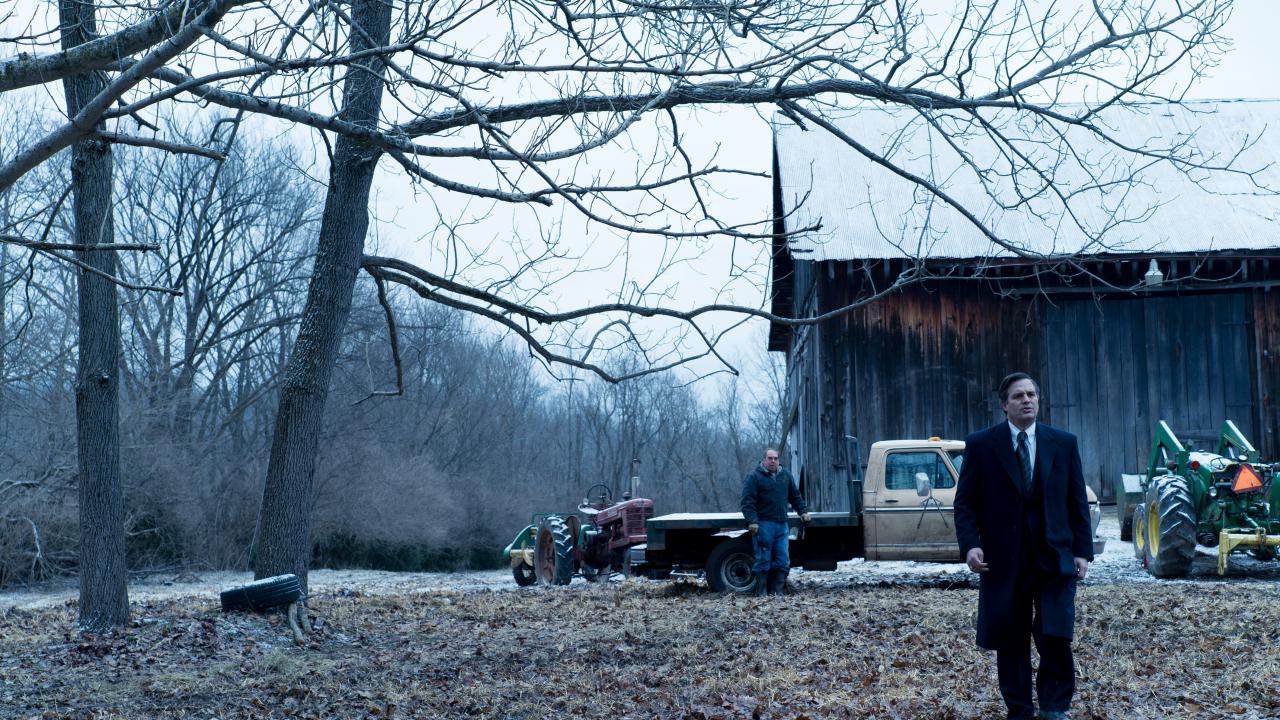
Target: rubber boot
762,584
777,582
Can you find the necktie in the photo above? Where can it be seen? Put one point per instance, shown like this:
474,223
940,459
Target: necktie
1024,460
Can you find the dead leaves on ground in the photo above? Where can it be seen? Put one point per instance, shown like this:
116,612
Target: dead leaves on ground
641,650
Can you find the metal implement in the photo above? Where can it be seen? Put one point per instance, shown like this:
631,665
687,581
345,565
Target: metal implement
1225,499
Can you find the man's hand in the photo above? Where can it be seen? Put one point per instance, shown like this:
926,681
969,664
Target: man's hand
804,517
1082,568
754,528
976,561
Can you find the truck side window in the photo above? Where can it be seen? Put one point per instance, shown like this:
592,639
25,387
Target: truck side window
901,469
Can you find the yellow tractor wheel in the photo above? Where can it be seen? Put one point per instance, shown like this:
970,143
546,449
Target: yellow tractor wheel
1171,528
1140,533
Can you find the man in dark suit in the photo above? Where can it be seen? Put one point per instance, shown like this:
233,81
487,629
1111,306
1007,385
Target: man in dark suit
1022,521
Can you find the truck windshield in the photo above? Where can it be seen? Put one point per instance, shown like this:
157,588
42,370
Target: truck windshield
957,458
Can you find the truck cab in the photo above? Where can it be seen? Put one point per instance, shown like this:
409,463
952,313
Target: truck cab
909,498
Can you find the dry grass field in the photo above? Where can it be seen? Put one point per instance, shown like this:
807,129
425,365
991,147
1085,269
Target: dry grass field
639,650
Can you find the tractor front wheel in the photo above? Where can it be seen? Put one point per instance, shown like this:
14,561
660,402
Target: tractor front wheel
594,574
554,552
1140,533
524,574
1171,528
729,566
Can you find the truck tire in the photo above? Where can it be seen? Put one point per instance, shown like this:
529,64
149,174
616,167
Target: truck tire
1139,521
554,552
262,594
729,566
1171,541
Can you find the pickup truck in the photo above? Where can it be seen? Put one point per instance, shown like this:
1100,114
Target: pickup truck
904,510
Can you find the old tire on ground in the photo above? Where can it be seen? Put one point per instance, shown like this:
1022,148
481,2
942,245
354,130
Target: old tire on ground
554,552
262,594
729,566
1171,524
524,574
1139,521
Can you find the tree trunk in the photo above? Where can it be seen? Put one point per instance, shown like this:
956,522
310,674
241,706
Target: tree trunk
104,594
283,542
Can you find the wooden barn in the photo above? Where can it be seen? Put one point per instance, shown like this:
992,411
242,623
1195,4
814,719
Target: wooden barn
1175,315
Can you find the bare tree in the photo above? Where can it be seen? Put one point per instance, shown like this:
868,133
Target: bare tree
284,527
104,597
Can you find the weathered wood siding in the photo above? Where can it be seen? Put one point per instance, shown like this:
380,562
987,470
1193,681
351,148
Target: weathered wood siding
1113,368
926,362
1265,361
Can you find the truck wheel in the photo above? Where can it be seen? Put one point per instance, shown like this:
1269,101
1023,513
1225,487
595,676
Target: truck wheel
554,552
1171,540
524,574
729,566
1139,521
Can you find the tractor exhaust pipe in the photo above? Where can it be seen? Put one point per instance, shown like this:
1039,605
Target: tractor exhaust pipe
634,491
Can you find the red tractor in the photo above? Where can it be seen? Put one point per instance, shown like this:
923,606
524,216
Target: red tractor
592,542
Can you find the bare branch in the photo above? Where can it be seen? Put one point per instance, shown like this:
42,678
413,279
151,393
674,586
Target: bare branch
72,247
178,148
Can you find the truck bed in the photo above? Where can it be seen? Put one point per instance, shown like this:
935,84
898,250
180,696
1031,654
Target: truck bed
735,521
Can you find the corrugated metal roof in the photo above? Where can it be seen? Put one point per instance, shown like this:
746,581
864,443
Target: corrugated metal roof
867,211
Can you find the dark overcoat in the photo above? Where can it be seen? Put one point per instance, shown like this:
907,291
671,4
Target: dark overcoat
991,508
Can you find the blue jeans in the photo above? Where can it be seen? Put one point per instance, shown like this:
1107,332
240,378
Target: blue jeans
771,547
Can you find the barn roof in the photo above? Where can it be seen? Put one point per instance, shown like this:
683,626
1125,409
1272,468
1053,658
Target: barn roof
868,212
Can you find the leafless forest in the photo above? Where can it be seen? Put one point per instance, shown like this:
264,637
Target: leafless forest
439,477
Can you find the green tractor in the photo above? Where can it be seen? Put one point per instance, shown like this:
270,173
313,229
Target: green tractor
1224,499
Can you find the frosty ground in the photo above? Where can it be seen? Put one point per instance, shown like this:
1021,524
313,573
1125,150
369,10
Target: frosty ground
869,640
1115,565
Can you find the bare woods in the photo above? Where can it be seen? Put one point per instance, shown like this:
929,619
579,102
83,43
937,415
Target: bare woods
437,477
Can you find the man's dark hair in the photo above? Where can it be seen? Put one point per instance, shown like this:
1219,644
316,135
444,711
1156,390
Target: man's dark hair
1012,378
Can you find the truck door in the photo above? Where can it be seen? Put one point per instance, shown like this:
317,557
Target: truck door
906,526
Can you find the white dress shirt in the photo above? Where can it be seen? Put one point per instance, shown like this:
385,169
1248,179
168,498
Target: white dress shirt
1031,441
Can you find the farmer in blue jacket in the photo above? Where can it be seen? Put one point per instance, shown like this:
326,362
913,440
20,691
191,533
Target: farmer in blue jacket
766,492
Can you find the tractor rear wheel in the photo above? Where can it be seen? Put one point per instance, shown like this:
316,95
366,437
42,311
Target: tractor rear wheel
1171,528
1140,533
729,566
554,551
